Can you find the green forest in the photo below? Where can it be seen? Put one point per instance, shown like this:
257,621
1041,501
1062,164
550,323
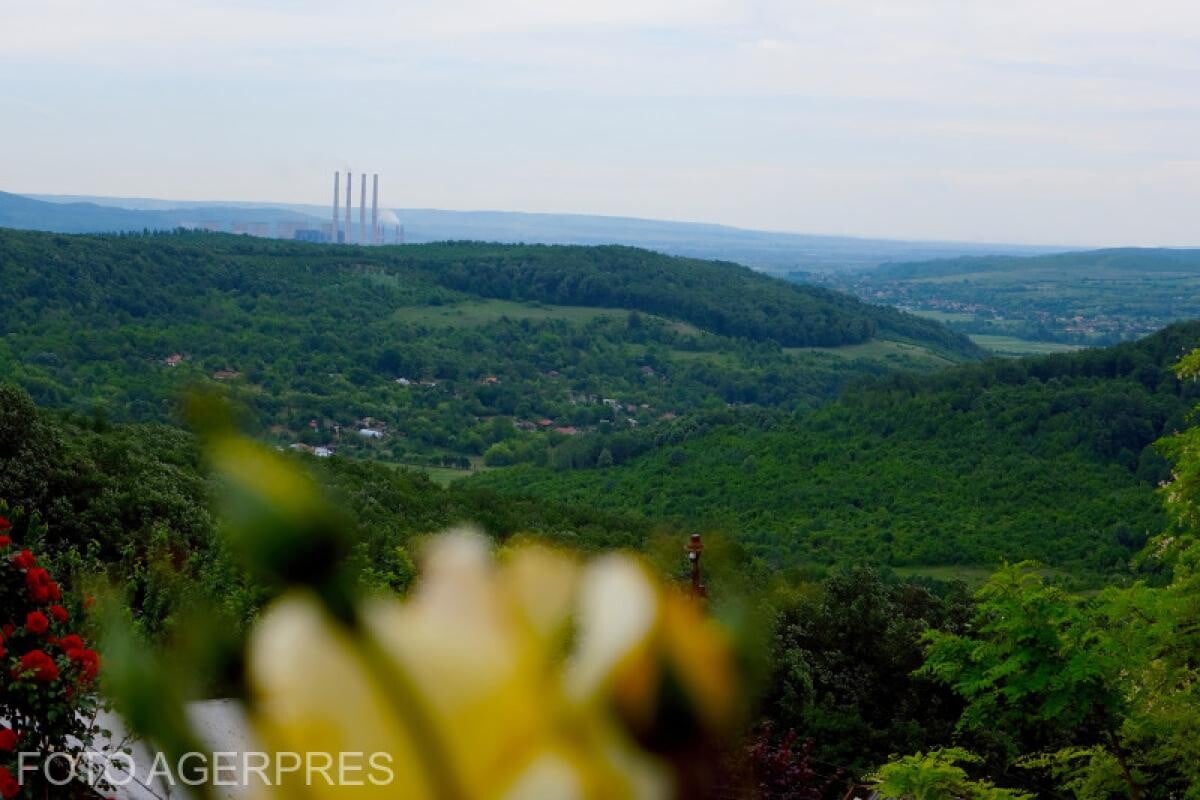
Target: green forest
1047,458
440,351
931,560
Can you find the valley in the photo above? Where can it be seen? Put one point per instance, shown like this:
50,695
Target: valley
1006,303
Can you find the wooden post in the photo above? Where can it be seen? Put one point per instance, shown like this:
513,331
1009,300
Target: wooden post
694,548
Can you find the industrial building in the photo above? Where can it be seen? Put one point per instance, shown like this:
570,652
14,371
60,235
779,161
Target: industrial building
342,230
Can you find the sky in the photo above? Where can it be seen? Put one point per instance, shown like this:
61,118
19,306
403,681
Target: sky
1035,121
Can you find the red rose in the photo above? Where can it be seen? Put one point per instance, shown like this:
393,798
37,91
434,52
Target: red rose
38,665
5,541
3,651
7,629
8,739
70,642
36,622
24,560
40,586
88,662
59,613
5,524
9,788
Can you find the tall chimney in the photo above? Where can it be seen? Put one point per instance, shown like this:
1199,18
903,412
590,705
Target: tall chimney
375,209
362,210
337,195
349,180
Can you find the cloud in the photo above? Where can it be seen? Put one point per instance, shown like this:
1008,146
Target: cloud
637,106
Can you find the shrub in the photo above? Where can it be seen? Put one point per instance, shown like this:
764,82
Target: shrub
47,672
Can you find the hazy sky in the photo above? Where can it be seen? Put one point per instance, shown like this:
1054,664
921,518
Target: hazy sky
1053,121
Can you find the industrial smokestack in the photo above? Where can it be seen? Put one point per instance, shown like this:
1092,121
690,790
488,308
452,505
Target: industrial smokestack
375,208
362,210
337,194
349,180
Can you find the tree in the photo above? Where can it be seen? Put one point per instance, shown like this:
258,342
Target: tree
1033,668
1101,694
937,776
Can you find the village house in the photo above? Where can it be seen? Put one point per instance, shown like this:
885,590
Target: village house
173,360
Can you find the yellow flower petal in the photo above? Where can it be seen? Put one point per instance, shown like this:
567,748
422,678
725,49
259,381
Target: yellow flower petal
311,694
618,617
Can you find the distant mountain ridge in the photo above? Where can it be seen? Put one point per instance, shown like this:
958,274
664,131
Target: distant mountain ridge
84,216
764,250
1144,259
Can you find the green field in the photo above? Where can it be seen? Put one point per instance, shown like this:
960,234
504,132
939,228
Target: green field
944,316
472,313
971,576
883,350
442,476
975,576
1012,346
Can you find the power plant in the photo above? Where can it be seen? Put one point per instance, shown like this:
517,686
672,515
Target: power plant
385,228
390,232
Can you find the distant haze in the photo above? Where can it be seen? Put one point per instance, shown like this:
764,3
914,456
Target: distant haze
1076,121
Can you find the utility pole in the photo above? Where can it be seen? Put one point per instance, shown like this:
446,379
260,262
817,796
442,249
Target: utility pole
693,549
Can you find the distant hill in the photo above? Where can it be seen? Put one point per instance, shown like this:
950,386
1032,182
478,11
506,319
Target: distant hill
85,216
1046,458
765,250
79,217
1127,262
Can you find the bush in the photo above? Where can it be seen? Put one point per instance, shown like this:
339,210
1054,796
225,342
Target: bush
46,674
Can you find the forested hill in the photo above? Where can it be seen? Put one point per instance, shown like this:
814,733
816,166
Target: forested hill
720,297
442,351
1047,458
162,275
